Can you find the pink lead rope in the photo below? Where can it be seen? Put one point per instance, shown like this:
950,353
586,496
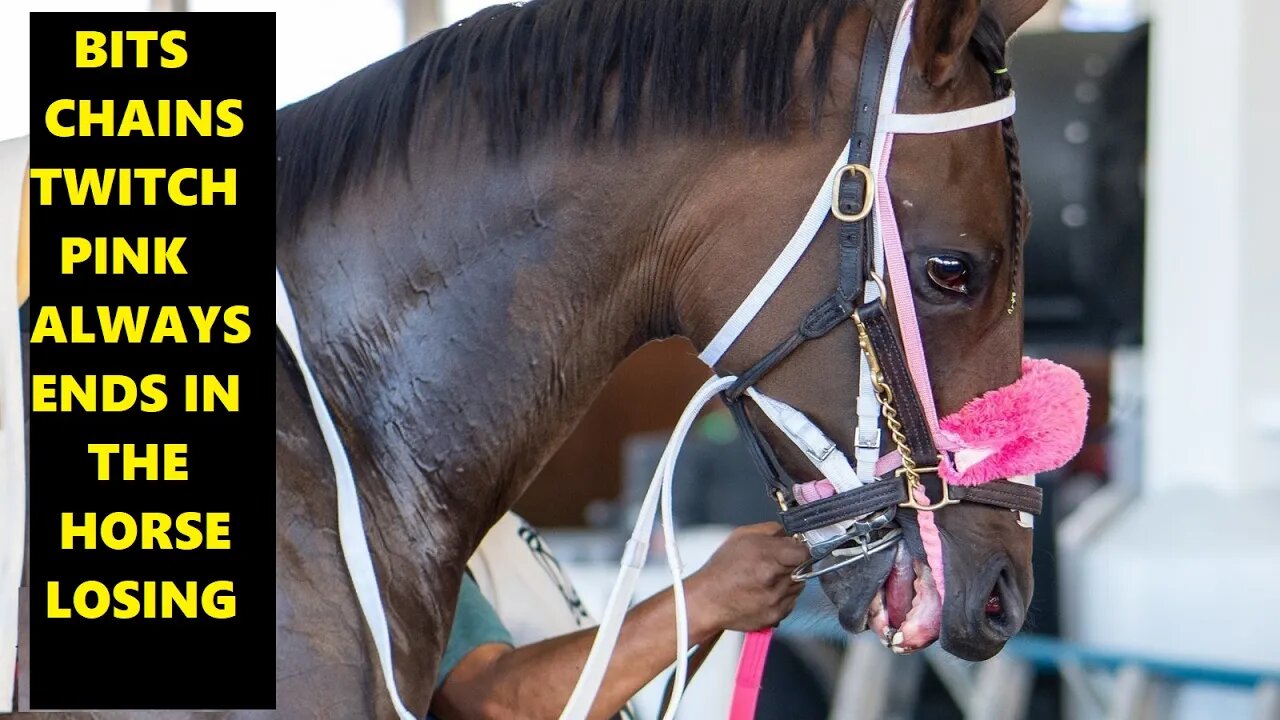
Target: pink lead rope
746,689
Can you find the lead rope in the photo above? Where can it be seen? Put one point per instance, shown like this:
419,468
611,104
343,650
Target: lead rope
633,559
746,687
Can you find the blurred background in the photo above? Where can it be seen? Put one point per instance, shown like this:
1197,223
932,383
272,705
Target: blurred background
1150,134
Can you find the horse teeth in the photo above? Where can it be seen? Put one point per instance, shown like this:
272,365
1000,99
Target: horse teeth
898,637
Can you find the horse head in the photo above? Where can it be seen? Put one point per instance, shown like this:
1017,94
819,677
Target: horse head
947,373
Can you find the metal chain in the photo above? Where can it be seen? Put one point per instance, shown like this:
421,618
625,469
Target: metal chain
884,394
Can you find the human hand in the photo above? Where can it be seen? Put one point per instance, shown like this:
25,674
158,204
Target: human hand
747,585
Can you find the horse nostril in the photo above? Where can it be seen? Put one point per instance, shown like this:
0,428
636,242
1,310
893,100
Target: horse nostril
994,608
1002,608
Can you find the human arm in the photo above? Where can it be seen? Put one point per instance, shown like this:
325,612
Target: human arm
746,585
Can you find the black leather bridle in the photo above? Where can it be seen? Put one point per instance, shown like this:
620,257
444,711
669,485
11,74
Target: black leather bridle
872,507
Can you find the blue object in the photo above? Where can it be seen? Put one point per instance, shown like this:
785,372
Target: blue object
1048,653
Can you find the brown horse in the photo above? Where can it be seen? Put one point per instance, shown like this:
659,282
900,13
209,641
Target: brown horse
476,230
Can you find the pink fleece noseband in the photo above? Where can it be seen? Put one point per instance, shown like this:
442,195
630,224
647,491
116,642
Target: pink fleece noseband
1034,425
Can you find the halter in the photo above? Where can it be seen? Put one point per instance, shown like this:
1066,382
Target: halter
850,514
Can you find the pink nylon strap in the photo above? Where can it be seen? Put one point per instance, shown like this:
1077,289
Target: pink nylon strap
900,285
746,688
913,349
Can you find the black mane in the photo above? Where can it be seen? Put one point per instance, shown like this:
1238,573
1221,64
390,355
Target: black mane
683,65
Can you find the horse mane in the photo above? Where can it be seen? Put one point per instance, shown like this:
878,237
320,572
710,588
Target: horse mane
601,68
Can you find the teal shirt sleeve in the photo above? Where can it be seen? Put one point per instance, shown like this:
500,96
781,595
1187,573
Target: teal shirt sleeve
475,623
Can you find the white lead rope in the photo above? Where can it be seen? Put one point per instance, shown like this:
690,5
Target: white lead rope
817,447
355,546
633,559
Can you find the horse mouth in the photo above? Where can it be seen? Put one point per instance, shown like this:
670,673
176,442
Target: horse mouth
906,612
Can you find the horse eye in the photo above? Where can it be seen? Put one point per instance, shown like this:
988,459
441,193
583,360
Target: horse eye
949,273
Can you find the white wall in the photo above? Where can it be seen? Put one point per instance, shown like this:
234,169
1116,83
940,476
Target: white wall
1196,267
1187,569
1260,292
1213,328
318,42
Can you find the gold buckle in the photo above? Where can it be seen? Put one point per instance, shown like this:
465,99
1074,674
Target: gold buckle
868,192
782,506
913,482
782,501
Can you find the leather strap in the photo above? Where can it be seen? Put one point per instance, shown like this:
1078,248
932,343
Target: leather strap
853,236
761,454
890,491
866,110
822,319
836,308
1002,494
752,375
843,506
884,340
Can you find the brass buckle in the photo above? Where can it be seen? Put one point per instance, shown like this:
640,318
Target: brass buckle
782,507
913,482
868,192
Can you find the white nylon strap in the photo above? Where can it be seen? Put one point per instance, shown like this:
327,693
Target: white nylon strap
633,559
777,272
820,450
1025,519
932,123
866,450
816,446
355,546
889,103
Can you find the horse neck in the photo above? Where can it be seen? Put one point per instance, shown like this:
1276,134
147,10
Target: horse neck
461,315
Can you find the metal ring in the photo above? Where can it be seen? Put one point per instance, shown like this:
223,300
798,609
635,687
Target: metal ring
860,528
912,485
868,192
883,299
812,568
931,507
884,291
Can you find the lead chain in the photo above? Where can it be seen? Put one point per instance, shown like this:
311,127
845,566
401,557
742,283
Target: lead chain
884,394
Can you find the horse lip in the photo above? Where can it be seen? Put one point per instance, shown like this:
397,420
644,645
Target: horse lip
852,611
853,622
